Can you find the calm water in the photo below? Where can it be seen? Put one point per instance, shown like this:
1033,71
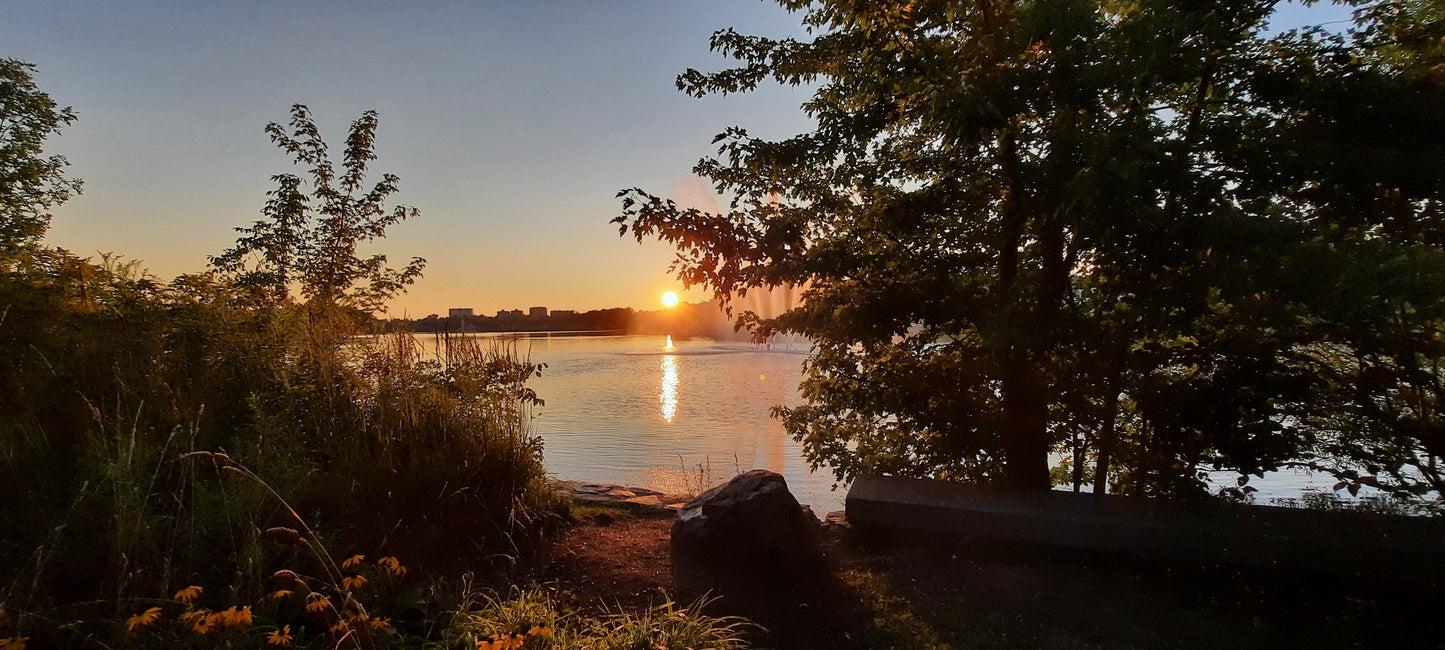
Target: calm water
632,411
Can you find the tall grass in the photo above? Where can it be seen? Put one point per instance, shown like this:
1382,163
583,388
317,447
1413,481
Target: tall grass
110,380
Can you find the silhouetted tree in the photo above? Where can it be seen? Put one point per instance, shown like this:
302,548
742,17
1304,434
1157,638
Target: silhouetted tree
31,184
1027,225
311,240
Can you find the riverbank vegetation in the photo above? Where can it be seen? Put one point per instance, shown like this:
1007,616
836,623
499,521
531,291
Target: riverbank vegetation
219,461
1118,245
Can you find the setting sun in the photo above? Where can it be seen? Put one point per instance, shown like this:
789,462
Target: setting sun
669,299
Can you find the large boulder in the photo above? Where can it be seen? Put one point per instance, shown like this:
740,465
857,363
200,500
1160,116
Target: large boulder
746,535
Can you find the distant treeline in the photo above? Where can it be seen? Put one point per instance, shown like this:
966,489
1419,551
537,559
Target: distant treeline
700,319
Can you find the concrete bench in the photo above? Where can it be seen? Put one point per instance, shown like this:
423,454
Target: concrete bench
1366,545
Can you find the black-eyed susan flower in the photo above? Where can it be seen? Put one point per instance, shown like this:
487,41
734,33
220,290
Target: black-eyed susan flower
503,642
14,643
392,565
189,594
199,620
279,594
379,624
353,583
316,603
280,637
230,617
352,561
541,631
143,620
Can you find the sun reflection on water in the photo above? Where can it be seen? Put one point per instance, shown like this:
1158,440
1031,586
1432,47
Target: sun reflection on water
669,386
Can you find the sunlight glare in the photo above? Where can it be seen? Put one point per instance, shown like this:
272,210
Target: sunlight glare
669,299
668,397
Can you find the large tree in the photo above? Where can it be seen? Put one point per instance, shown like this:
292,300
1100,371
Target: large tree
1025,223
31,183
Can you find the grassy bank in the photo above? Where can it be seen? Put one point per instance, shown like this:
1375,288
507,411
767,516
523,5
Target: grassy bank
155,432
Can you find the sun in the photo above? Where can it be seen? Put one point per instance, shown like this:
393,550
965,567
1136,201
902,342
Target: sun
669,299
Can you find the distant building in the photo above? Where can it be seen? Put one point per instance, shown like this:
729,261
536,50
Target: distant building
557,313
455,314
537,312
503,313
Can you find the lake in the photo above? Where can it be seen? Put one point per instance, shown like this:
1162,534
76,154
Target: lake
631,410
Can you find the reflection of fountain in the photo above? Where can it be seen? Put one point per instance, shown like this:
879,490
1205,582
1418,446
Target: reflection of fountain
669,384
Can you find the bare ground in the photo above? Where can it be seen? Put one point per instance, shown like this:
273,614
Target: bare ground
942,594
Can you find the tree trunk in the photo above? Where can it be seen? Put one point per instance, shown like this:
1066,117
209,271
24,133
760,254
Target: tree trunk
1026,441
1107,433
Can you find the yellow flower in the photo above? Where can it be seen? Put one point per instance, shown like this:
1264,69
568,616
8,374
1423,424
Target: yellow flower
507,642
380,623
392,565
541,630
14,643
229,617
143,620
280,637
353,561
353,583
189,594
317,603
279,594
199,620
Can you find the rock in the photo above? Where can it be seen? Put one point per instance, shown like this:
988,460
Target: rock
607,493
836,518
649,500
745,535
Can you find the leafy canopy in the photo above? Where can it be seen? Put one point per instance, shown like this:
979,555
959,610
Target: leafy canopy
31,184
1080,233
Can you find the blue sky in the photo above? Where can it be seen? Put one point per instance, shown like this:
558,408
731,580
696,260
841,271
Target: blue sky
511,124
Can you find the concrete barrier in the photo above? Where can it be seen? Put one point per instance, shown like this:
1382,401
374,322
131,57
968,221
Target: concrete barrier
1365,545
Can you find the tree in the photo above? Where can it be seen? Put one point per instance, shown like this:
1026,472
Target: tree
31,184
1022,225
311,241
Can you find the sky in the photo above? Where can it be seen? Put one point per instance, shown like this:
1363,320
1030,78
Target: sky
511,124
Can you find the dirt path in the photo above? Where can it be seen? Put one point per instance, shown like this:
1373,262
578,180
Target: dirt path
612,559
953,596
